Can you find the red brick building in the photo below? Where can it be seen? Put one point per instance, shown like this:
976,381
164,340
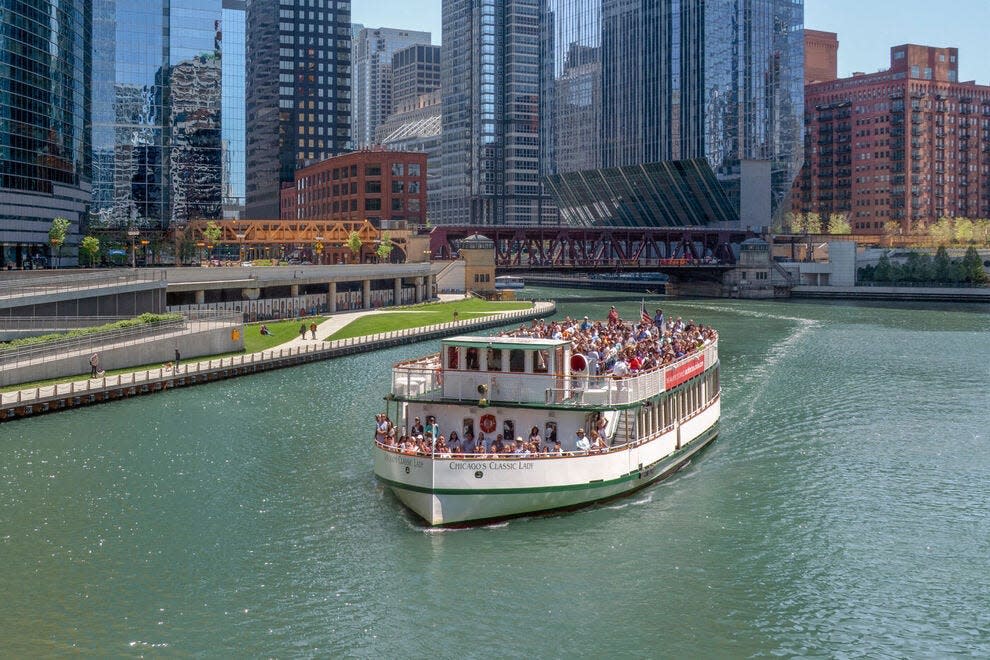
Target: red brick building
388,188
821,56
910,144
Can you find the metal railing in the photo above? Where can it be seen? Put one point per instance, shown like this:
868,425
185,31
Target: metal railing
326,349
37,286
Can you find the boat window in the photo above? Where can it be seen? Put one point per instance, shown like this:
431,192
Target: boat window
508,429
541,361
494,359
452,357
517,360
471,360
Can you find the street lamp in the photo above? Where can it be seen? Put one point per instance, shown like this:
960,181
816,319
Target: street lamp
241,234
133,232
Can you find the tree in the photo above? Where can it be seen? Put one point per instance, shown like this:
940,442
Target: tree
384,247
354,244
973,267
963,230
981,231
941,232
884,271
795,223
813,223
57,235
212,233
90,246
891,227
838,224
943,265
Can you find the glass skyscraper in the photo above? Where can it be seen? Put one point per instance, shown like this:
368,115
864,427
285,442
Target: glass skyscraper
490,77
628,82
44,60
158,156
298,92
234,126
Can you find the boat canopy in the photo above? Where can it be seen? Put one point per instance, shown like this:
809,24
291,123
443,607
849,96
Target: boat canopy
525,343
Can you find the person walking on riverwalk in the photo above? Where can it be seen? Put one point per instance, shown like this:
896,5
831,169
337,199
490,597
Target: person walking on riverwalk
94,365
177,356
302,331
312,329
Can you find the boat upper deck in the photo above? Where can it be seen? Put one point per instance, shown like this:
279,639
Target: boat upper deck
600,365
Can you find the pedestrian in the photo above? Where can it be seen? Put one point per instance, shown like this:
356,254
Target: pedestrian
302,331
94,365
312,329
177,356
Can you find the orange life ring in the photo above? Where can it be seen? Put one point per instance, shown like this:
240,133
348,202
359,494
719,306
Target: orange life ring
487,423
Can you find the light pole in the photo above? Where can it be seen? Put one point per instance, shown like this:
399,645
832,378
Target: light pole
241,234
133,233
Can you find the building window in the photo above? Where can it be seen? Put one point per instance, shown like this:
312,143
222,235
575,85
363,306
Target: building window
413,169
372,205
398,186
372,186
397,169
373,169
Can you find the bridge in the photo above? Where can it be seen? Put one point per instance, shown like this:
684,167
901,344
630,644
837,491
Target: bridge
703,251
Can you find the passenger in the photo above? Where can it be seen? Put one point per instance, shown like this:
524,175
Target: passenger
534,434
381,429
581,442
557,449
417,427
432,426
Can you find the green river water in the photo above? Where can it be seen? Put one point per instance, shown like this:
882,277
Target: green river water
843,511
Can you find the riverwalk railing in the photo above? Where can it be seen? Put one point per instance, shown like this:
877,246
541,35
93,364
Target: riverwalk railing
140,382
38,286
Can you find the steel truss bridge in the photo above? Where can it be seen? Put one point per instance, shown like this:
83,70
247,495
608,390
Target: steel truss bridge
554,248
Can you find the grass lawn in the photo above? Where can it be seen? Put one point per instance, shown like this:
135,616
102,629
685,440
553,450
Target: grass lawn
420,315
282,331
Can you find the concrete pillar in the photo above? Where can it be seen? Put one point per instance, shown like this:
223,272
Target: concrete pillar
332,297
293,290
398,291
366,294
419,289
200,297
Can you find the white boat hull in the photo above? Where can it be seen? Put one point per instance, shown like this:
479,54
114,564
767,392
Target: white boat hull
445,491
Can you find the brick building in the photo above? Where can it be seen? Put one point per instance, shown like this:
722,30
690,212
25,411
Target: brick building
821,56
909,144
388,188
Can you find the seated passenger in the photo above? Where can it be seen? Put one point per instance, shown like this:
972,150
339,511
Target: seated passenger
581,442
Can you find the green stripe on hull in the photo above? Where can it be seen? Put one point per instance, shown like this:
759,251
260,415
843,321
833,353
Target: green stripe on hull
672,460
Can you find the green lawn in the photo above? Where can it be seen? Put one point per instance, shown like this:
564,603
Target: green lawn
282,331
420,315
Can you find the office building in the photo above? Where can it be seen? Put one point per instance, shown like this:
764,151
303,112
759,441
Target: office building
415,73
490,77
906,146
233,99
387,188
371,71
418,129
821,56
167,117
298,92
627,83
44,60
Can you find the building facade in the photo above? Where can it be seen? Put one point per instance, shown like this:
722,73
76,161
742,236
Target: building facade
632,82
905,146
387,188
232,94
44,173
371,66
415,72
821,56
161,87
418,129
298,93
490,77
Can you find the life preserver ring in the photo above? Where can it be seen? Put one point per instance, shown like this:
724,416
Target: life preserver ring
487,423
579,364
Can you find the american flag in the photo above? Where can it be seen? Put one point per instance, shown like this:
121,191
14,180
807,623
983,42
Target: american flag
645,315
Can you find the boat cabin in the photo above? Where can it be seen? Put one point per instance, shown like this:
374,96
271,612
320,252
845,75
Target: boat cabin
516,369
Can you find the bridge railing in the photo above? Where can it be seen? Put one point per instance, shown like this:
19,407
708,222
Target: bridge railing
35,286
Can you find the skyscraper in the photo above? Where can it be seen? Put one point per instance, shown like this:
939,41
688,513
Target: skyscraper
158,154
371,77
234,137
415,72
491,124
298,92
627,82
44,59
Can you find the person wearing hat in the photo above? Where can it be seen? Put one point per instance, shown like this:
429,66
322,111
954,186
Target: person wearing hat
581,441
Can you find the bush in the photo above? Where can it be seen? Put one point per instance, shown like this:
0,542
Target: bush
144,319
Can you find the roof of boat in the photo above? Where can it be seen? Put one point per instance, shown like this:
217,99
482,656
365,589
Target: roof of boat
504,342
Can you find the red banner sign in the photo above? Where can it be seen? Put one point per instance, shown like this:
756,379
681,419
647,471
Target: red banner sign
676,375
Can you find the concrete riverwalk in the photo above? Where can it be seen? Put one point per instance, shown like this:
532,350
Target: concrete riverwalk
62,396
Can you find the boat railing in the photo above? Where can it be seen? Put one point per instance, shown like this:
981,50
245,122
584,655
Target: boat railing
424,378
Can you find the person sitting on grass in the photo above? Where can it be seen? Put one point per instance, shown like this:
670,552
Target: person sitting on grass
265,331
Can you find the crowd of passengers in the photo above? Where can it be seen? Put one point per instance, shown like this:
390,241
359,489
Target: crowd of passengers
622,348
420,440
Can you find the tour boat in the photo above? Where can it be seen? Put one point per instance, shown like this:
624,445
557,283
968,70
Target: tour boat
504,282
652,422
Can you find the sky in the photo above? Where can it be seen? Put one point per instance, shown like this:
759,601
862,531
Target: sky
867,28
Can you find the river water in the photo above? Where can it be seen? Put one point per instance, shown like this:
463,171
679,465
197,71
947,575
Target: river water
843,511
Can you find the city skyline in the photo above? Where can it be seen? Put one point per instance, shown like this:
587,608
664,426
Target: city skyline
863,47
